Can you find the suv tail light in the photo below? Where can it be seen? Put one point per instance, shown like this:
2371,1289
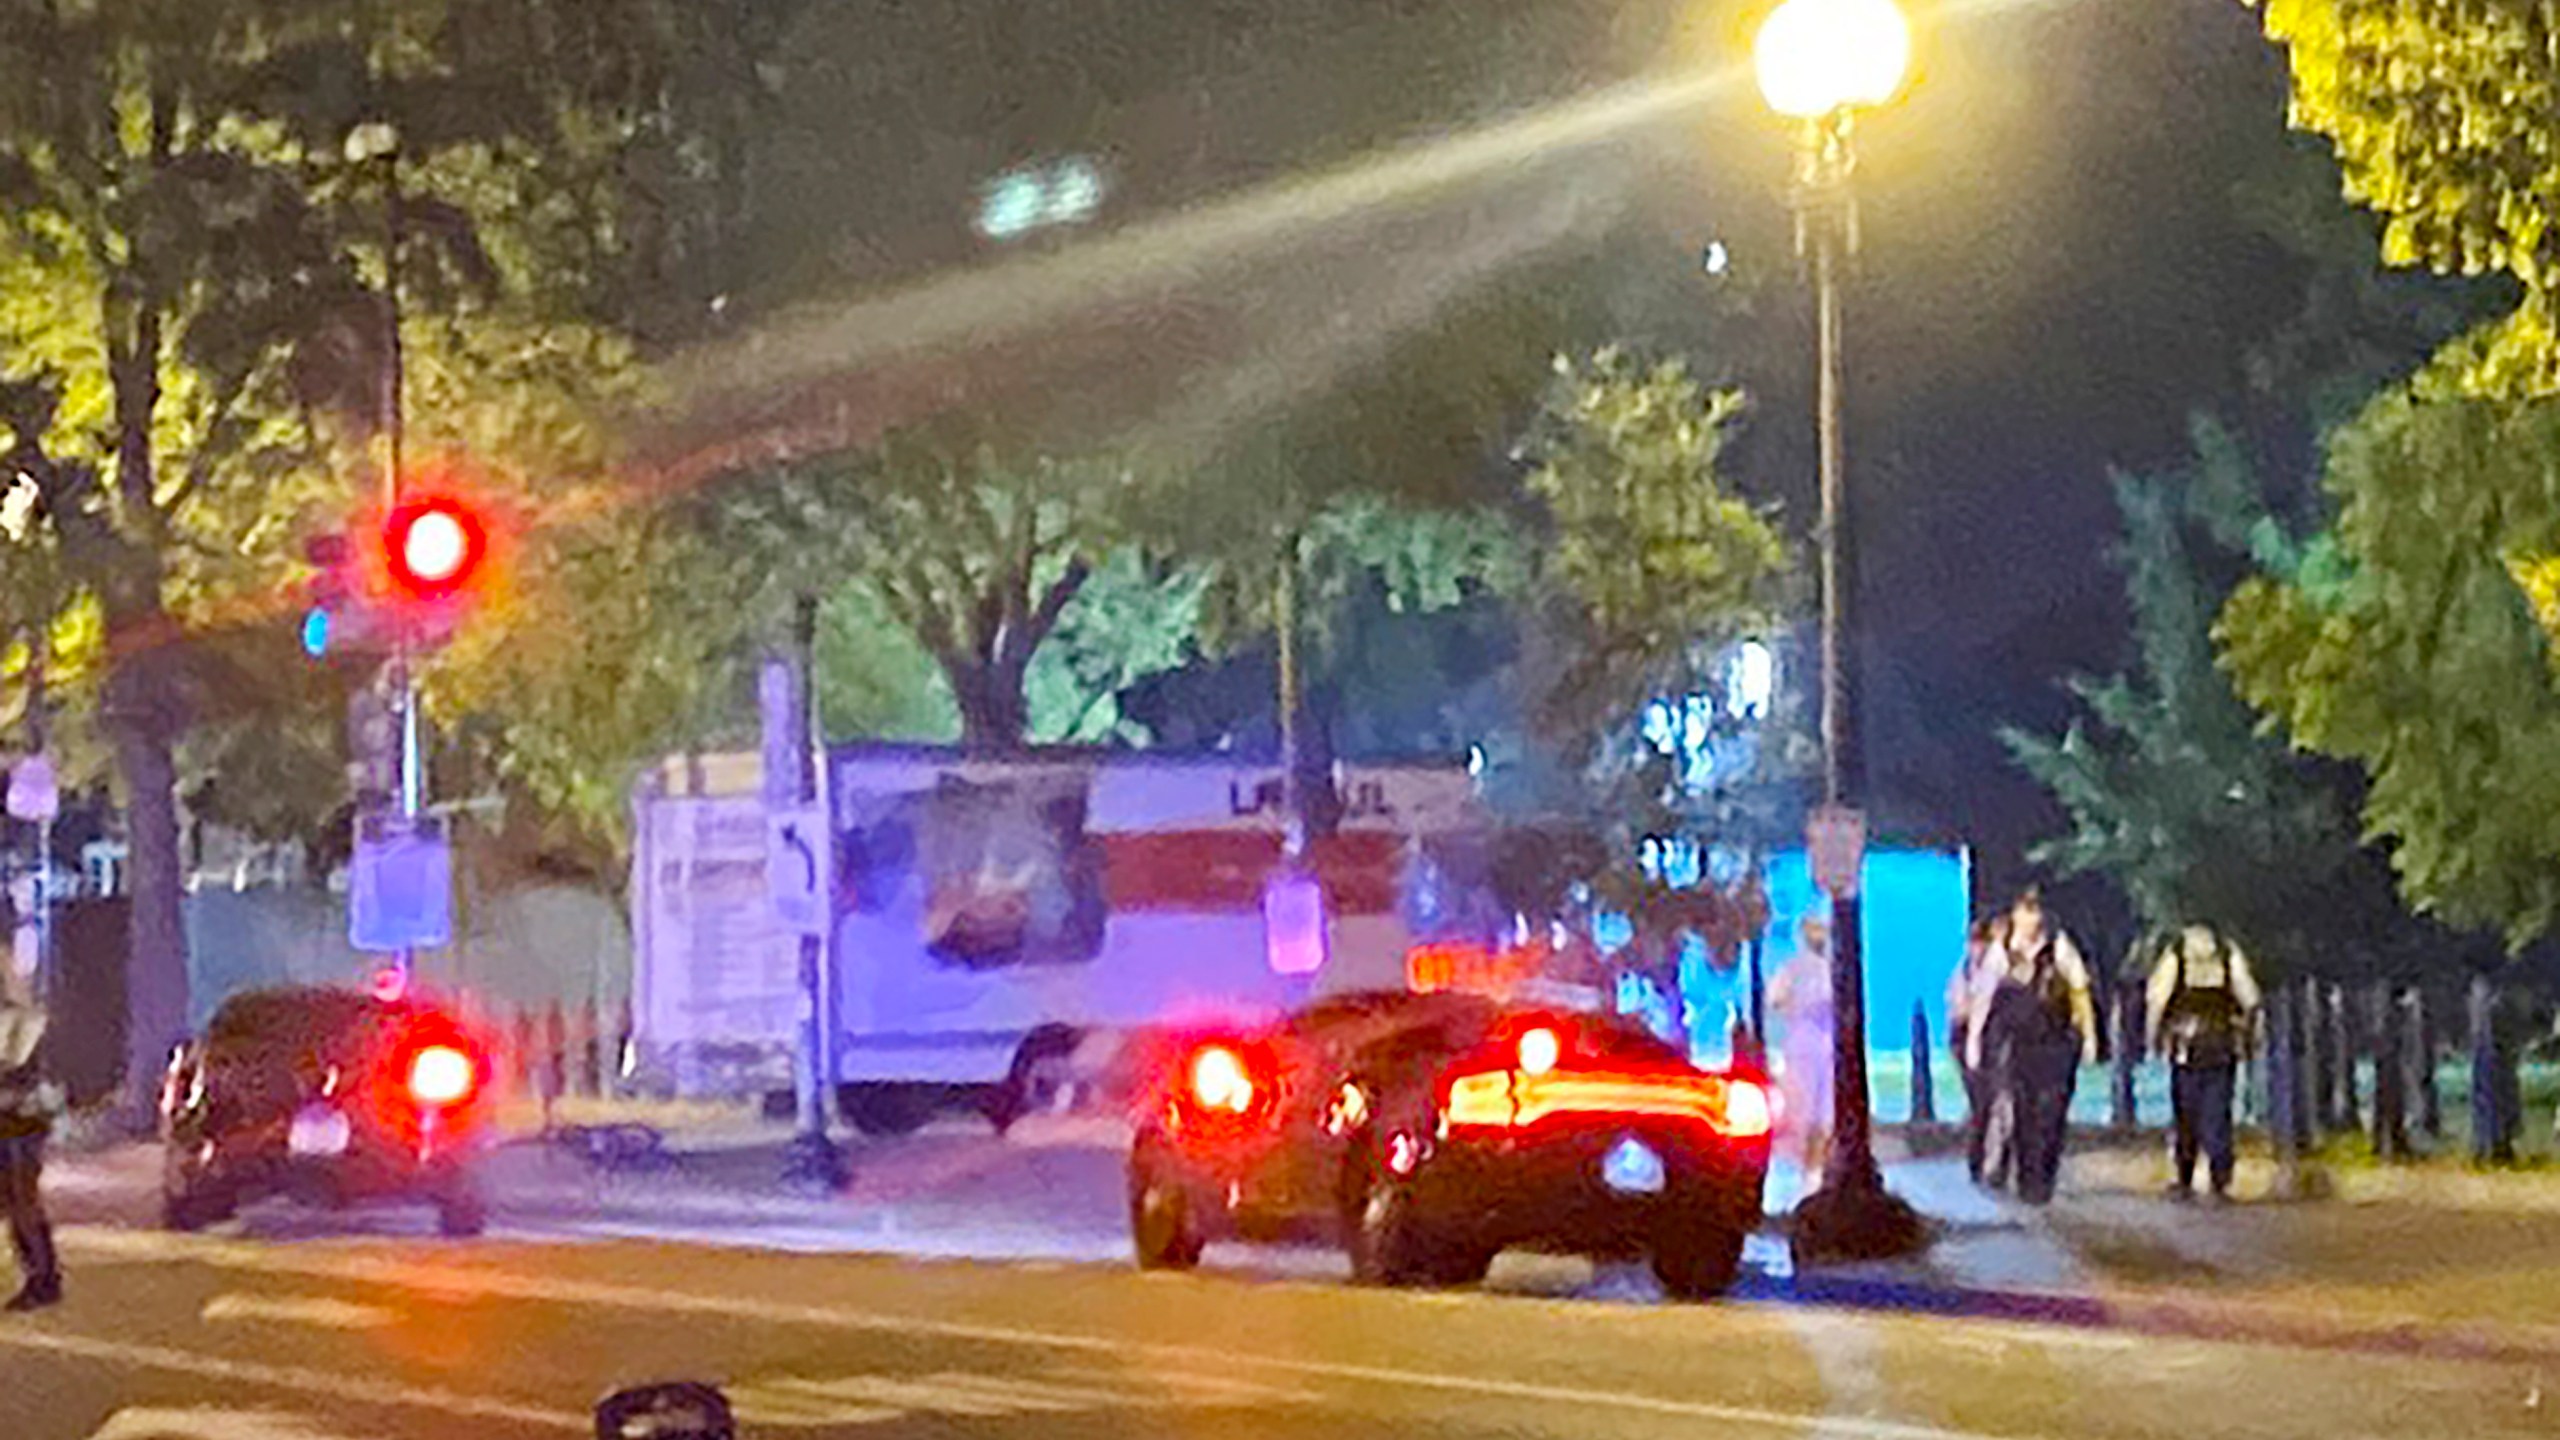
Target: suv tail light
442,1075
1748,1113
1219,1080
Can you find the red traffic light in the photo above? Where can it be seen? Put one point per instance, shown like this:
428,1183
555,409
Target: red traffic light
433,548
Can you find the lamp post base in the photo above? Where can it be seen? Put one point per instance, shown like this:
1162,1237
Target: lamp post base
1856,1218
813,1163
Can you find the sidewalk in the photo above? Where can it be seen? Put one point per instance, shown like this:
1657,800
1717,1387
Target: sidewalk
2413,1260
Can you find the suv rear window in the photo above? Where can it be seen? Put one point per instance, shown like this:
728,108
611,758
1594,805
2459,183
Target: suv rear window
292,1019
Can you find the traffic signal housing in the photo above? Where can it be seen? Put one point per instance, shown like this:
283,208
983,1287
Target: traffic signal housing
433,548
404,576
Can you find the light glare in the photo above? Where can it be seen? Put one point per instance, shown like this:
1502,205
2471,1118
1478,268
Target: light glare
1815,57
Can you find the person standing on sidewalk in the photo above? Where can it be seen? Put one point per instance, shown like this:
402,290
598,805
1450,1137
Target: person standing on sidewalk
2036,1026
2199,1003
1961,989
1801,996
28,1103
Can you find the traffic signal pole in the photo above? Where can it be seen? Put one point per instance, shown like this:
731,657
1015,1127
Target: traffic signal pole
410,793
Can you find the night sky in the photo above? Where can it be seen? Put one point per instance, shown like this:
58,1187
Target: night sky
2056,273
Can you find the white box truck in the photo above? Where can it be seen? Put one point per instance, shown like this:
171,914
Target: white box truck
1002,926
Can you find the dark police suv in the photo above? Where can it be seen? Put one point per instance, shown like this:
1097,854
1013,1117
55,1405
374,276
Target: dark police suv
1429,1132
333,1097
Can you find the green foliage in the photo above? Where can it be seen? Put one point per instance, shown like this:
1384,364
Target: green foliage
1652,567
1132,618
977,556
2421,656
1651,570
2171,790
2440,111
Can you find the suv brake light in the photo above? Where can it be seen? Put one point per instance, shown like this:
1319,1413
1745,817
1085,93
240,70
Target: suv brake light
1747,1111
1220,1081
442,1075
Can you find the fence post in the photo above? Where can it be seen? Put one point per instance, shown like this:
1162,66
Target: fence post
2127,1060
555,1059
2428,1045
528,1051
2314,1050
1924,1082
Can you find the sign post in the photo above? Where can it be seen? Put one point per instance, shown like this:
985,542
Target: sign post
795,830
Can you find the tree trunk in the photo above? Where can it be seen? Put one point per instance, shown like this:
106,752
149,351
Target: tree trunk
994,714
141,715
2346,1050
2317,1060
2310,1071
2284,1088
2390,1076
2490,1142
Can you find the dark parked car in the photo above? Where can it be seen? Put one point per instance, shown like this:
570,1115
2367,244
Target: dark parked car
329,1096
1427,1133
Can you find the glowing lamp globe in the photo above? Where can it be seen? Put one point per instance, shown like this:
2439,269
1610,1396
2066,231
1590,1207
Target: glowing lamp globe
1816,57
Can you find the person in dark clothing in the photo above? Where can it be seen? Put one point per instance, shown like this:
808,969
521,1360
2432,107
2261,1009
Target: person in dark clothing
27,1106
2199,1000
2034,1025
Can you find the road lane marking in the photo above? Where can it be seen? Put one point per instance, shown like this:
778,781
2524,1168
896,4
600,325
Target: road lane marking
329,1384
315,1310
490,1281
867,1399
206,1422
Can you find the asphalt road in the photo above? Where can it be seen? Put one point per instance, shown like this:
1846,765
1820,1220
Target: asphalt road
301,1327
293,1340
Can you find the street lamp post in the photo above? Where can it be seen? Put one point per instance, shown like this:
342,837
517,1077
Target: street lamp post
1819,63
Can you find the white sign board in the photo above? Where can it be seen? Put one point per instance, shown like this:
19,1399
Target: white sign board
795,868
400,891
716,965
1835,844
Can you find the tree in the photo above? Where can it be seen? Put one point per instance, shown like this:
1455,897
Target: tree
1651,571
976,554
2171,788
2440,112
2416,641
187,240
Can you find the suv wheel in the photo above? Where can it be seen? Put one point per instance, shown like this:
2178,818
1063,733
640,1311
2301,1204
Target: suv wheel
462,1212
1161,1228
189,1201
1697,1262
1387,1243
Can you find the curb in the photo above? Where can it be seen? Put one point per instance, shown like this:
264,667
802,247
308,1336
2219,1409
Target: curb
2184,1317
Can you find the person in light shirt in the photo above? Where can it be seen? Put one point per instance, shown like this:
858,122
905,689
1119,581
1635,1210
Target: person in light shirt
1802,997
1978,1134
2034,1024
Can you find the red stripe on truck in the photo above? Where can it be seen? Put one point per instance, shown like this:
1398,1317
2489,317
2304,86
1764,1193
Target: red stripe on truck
1226,869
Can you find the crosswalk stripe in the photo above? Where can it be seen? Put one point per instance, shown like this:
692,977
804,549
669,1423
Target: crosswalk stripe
316,1310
